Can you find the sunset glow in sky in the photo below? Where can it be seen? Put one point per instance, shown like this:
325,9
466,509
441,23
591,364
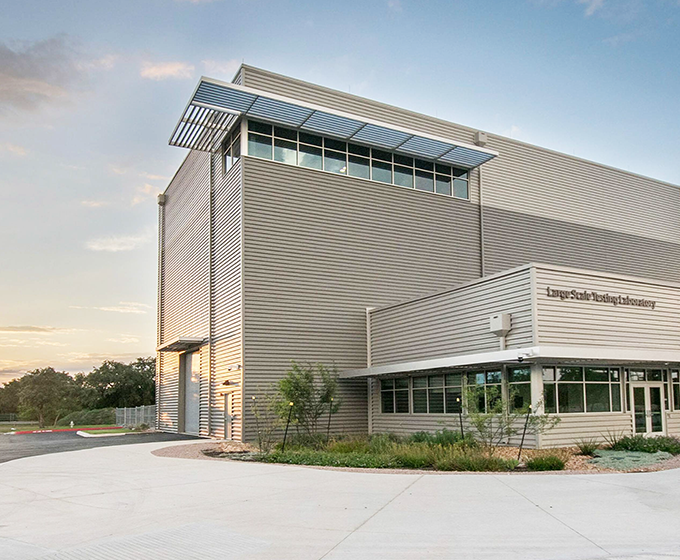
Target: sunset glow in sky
90,92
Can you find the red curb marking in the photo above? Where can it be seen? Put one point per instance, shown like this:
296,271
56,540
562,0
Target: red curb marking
67,430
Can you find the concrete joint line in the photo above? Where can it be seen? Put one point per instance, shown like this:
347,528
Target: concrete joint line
552,515
369,518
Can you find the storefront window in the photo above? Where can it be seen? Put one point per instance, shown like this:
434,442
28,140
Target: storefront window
675,383
394,395
572,389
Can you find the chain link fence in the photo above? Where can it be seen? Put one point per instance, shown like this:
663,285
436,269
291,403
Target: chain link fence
136,416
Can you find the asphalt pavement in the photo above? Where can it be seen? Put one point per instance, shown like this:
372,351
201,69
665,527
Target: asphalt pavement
17,446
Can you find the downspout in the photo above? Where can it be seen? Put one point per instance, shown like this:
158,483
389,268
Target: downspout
481,225
159,303
369,361
210,285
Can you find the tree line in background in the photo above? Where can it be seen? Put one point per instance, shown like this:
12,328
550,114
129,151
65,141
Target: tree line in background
46,395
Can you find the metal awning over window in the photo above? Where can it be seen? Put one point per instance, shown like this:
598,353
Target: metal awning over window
181,344
214,103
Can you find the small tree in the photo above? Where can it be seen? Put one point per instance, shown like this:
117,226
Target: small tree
311,389
265,409
495,420
47,394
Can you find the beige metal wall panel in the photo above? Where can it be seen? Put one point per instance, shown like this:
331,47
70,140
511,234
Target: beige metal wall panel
204,391
184,281
454,322
226,295
673,423
320,248
573,428
590,323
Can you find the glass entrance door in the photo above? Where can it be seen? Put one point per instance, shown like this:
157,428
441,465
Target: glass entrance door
648,408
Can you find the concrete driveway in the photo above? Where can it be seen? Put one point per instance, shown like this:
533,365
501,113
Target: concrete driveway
124,502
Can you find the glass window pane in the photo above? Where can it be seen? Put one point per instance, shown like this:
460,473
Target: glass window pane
426,165
403,160
382,172
435,380
461,173
424,181
403,176
359,150
336,145
386,384
654,375
387,401
260,127
259,146
616,397
285,151
310,157
637,375
358,167
570,397
286,133
597,397
379,154
436,401
549,398
548,374
444,169
312,139
518,374
419,382
401,401
675,375
569,374
443,185
676,396
236,149
335,162
597,374
420,401
493,376
454,379
401,383
460,189
227,158
454,400
615,374
520,395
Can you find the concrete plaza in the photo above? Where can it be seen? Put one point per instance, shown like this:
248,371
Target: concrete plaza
124,502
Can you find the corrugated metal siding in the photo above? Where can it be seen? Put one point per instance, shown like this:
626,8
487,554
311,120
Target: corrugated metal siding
184,274
573,428
319,249
588,323
453,323
673,423
226,298
541,205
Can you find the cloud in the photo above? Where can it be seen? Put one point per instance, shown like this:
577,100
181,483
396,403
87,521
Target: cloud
592,6
13,148
118,243
152,177
106,62
94,203
33,74
32,329
117,170
226,67
122,307
124,339
145,192
167,70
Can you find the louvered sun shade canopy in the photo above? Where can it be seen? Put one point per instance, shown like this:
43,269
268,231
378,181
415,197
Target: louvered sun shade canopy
214,104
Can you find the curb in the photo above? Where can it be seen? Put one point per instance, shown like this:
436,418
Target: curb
62,430
86,434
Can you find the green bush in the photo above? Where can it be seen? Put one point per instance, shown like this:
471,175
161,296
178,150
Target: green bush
473,461
327,459
667,444
545,463
442,437
349,445
98,416
587,446
627,460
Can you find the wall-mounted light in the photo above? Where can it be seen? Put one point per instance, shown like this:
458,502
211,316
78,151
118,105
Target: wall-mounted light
234,367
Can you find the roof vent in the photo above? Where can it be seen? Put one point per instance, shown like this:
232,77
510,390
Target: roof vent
481,139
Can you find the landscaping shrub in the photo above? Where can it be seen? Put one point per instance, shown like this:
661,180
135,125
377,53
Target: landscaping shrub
644,444
98,416
627,460
587,446
472,461
414,455
546,463
349,445
326,459
441,437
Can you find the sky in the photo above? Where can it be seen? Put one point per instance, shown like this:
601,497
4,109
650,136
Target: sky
90,92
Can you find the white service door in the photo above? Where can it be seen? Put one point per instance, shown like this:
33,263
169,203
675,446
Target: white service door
192,383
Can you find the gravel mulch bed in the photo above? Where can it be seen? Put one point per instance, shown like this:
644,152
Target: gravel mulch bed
575,463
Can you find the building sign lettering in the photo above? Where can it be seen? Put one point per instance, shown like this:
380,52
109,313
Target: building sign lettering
591,295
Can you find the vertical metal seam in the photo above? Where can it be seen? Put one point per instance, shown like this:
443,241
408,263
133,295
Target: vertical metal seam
481,224
244,151
210,284
159,312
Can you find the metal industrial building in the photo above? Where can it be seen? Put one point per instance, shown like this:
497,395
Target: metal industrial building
309,224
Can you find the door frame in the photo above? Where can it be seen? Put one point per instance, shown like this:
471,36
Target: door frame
647,385
182,380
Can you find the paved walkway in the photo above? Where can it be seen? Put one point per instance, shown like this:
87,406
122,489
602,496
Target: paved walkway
124,502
